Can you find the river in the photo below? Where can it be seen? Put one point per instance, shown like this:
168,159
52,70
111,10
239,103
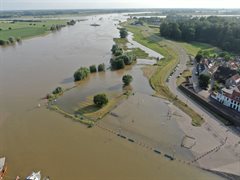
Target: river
38,139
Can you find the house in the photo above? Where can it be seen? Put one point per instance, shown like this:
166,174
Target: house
233,81
201,68
229,97
223,73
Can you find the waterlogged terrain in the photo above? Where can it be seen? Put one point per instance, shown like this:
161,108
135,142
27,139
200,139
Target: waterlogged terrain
38,139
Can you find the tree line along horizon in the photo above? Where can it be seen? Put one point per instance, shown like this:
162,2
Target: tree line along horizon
223,32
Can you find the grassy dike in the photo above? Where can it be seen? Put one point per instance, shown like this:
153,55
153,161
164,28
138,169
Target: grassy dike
148,37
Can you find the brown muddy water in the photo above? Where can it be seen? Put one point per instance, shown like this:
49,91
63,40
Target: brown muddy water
35,139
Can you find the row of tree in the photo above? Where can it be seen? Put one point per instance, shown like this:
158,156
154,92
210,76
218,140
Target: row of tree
11,40
83,72
223,32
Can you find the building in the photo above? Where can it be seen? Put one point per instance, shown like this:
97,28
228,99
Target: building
233,81
223,73
229,97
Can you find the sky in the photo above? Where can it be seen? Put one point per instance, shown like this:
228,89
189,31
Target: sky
102,4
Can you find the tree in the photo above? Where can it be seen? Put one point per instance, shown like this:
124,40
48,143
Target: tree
204,81
198,57
101,67
100,100
117,64
123,33
58,90
127,79
93,69
81,74
114,48
118,52
126,59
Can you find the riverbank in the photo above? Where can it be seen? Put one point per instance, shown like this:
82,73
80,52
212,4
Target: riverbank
149,38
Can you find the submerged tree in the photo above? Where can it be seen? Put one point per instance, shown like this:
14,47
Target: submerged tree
101,67
81,74
127,79
100,100
93,68
58,90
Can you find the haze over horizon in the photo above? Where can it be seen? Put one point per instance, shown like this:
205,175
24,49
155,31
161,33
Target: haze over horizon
112,4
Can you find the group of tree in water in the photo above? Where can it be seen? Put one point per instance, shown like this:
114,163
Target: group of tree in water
120,58
83,72
223,32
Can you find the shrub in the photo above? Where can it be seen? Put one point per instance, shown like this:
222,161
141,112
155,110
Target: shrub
11,39
81,74
93,69
101,67
2,42
9,28
100,100
58,90
18,39
127,79
71,23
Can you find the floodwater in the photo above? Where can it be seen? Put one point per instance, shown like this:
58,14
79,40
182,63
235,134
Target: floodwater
35,139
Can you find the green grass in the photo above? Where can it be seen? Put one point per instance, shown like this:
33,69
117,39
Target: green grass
25,30
149,38
193,47
139,53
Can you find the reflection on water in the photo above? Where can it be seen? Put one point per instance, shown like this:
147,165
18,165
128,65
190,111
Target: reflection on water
37,139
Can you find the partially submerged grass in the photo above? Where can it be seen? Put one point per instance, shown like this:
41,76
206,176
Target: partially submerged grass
27,29
136,52
121,42
90,110
149,38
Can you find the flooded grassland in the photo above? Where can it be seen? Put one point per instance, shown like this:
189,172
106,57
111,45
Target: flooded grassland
38,139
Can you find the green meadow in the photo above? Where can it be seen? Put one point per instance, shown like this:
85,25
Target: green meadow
24,29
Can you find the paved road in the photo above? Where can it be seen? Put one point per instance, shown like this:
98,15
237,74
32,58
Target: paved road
221,130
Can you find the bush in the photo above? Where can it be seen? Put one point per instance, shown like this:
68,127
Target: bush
71,23
117,63
11,40
93,69
123,33
101,67
58,90
2,42
100,100
81,74
18,39
127,79
9,28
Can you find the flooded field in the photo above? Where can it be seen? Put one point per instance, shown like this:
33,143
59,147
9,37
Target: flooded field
38,139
